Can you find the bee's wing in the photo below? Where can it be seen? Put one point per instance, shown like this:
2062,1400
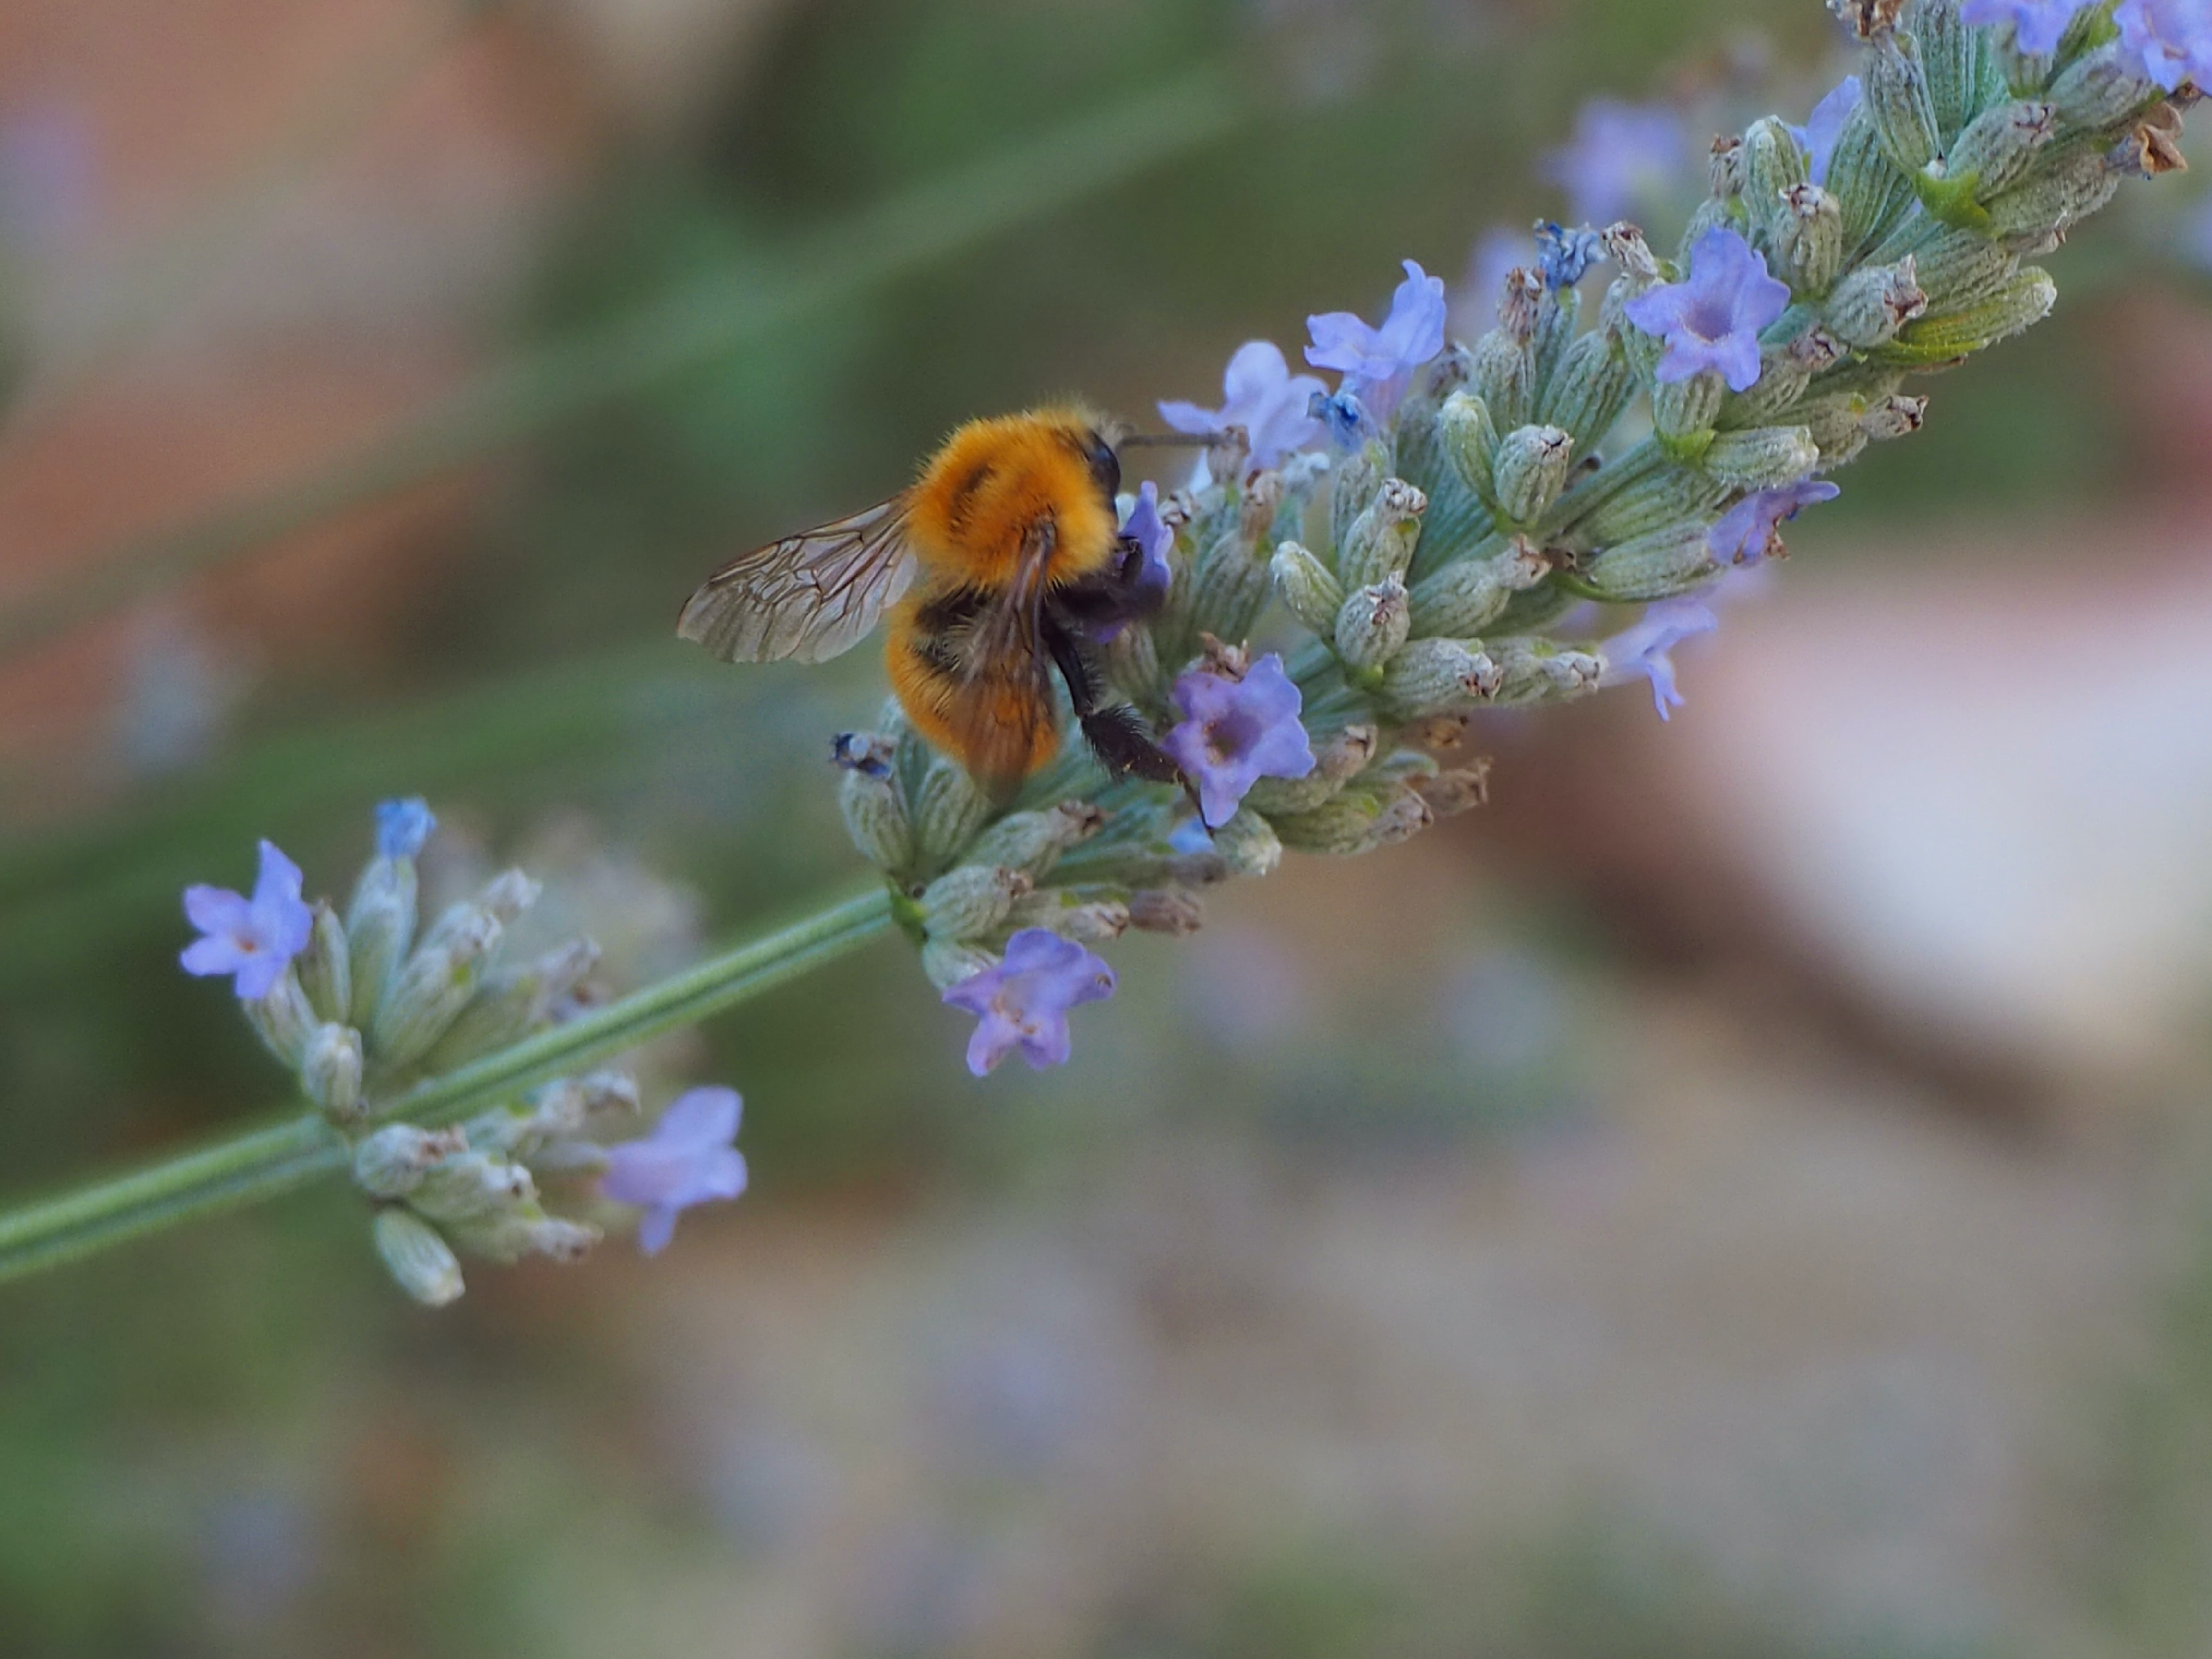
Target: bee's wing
1008,707
809,596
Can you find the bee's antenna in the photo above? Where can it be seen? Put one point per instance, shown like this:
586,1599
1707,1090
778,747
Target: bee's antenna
1165,440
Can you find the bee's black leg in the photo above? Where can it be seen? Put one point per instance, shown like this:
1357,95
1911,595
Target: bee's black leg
1114,733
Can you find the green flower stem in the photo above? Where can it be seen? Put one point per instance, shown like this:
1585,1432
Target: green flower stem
265,1163
702,322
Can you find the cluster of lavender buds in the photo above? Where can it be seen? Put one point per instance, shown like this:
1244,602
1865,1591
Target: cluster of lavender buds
1353,572
361,1008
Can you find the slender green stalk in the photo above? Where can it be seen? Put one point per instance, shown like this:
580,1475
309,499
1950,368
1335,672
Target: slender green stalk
703,321
267,1162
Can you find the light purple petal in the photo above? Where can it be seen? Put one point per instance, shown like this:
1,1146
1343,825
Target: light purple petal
258,974
217,910
1189,417
700,1118
218,953
656,1228
402,827
1829,118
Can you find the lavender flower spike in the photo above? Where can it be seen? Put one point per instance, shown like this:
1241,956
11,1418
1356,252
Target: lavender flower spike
2037,24
1235,732
1713,319
1260,394
2174,38
402,827
1642,649
1023,1002
688,1160
1621,157
253,939
1751,529
1378,363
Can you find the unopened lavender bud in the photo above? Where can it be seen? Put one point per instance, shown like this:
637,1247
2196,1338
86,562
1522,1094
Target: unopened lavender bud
2020,304
1371,626
379,926
391,1163
1167,910
2100,88
1809,236
1894,418
948,808
1380,543
1684,411
421,1262
1339,757
1359,821
1784,372
1438,676
1469,437
1870,305
1229,587
949,962
1773,163
1308,590
1761,457
1503,375
1655,565
325,974
1537,671
283,1020
1590,389
1086,918
1897,98
470,1186
2071,186
1999,145
1247,844
1960,268
508,1237
513,1003
1861,179
331,1072
1352,488
969,902
432,987
1467,595
868,797
1532,467
1032,842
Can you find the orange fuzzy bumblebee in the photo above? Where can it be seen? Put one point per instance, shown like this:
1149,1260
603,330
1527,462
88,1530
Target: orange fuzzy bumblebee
1003,563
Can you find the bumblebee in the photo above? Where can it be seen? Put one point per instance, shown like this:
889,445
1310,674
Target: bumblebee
1004,563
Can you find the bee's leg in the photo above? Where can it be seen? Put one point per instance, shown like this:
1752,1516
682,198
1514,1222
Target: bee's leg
1114,733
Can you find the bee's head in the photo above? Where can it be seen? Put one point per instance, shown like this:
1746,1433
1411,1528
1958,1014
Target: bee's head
1105,465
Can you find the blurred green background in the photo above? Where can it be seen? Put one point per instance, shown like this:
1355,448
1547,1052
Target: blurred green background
1637,1222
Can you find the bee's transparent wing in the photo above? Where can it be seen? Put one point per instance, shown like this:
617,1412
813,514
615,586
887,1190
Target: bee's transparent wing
1008,710
807,597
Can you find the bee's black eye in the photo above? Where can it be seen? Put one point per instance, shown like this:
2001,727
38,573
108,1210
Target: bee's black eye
1105,466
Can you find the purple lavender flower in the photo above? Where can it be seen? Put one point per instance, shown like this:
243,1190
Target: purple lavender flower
1144,527
1378,363
1620,158
1712,320
251,939
2173,38
1022,1003
1751,529
1822,129
687,1160
1643,648
1235,732
2037,24
1260,394
1345,418
1564,256
402,827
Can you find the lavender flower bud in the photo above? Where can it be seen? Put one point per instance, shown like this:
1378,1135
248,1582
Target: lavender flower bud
549,1133
331,1072
1247,843
1531,470
1894,418
2100,88
1645,499
1468,595
1653,566
1380,543
2048,200
1870,305
2020,304
1338,758
1761,457
283,1020
1809,237
1229,588
949,962
1358,478
1960,268
1167,910
1774,162
1308,590
1898,99
1861,179
508,1237
432,987
1032,842
1591,387
1998,146
948,810
1371,626
1503,375
422,1263
1359,821
379,926
324,972
391,1163
472,1186
1784,372
1438,676
868,797
971,901
1684,411
512,1004
1089,918
1537,671
1469,437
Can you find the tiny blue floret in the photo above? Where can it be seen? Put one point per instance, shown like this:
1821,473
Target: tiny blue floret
1260,394
1642,649
402,827
1751,529
688,1160
1712,320
252,939
1345,418
1022,1003
1378,363
1564,256
1235,732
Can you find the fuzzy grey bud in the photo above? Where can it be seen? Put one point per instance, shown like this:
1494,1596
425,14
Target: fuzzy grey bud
969,902
1438,676
379,928
1532,467
472,1186
1339,756
1469,594
1590,389
1093,917
1308,590
1359,821
1684,411
1247,844
1641,497
1503,375
1469,436
1897,98
1809,236
1462,789
1960,268
2071,186
325,973
282,1019
948,810
1870,305
391,1163
1999,145
1229,586
513,1003
421,1262
2100,88
508,1237
1032,842
1894,418
1371,626
949,962
1655,565
869,799
1537,671
1761,457
1380,543
432,987
2020,304
331,1071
